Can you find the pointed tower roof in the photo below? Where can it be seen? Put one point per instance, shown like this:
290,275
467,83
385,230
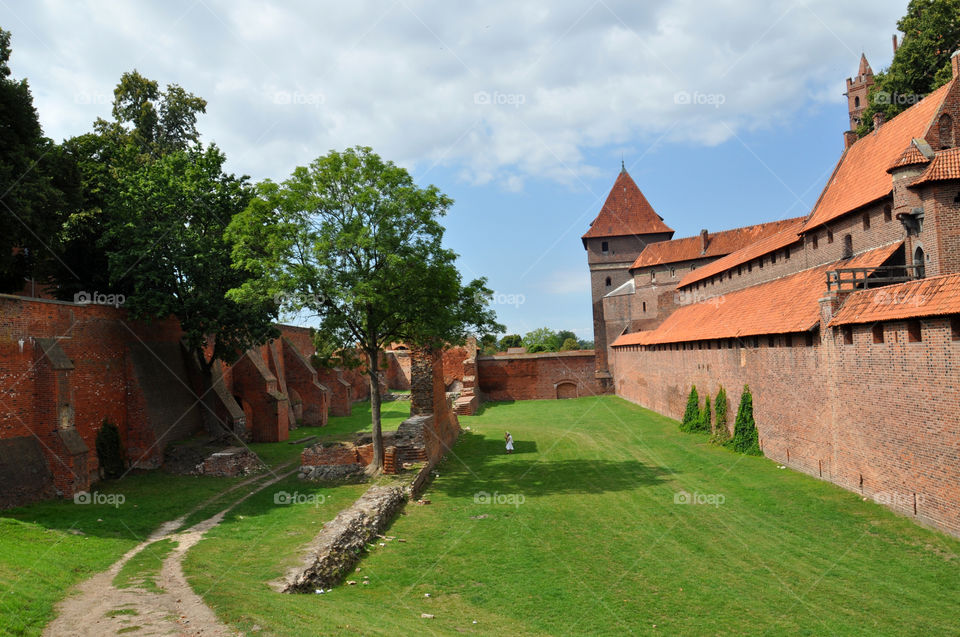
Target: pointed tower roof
625,212
864,66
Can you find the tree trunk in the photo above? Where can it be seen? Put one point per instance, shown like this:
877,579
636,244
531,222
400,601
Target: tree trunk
376,464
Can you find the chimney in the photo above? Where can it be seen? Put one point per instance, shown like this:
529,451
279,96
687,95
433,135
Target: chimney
894,43
877,120
704,236
849,139
955,63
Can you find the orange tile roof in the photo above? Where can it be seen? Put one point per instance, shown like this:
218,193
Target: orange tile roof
626,211
718,244
768,244
911,156
945,165
860,177
782,306
926,297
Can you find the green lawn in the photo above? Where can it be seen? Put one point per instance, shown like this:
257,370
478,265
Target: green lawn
580,532
49,547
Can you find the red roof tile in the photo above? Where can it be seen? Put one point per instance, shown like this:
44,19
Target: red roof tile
926,297
945,165
860,177
782,306
626,211
718,244
781,239
910,157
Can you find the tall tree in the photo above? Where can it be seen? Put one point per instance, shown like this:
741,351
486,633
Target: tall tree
36,181
931,33
352,240
148,124
168,228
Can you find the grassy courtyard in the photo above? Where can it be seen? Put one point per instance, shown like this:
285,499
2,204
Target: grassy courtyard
579,532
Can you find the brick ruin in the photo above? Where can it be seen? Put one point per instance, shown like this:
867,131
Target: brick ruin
425,437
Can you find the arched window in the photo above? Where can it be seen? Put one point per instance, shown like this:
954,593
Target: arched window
856,102
847,246
918,264
608,281
946,131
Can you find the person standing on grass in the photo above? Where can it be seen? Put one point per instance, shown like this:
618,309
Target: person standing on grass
509,440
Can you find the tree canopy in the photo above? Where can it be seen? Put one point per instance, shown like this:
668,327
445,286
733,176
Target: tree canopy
931,33
36,181
353,241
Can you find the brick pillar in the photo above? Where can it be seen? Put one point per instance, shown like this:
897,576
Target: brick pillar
421,382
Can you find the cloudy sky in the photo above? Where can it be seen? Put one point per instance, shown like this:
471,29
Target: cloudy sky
726,112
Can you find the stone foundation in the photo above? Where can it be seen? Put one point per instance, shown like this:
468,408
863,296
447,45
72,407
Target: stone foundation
230,463
340,544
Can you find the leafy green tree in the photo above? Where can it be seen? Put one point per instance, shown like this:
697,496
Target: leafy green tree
167,229
745,437
510,340
720,432
692,413
542,339
584,344
563,335
148,124
352,240
569,345
487,344
37,181
931,33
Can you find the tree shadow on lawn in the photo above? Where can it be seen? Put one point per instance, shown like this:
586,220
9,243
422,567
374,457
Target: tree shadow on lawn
481,464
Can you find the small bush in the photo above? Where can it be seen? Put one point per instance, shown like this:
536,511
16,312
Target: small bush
110,450
692,414
745,437
720,433
703,421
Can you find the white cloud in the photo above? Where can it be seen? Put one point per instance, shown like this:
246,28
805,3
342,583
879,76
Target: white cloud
502,92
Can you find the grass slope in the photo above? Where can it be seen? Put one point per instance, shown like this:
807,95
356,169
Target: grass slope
580,532
48,547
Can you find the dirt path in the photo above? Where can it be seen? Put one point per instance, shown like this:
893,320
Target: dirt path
99,608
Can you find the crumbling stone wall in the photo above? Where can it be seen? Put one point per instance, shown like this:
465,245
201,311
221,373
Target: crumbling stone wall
343,540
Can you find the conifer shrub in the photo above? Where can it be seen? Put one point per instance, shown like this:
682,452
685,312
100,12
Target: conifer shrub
745,437
692,413
703,421
720,432
110,450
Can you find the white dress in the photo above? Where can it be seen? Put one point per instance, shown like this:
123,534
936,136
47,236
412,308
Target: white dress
510,443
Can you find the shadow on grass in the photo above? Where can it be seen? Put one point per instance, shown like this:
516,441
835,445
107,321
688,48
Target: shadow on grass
481,464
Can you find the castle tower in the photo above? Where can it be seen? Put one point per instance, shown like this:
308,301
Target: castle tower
858,89
624,226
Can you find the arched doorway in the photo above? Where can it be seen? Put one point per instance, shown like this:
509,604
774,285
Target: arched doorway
918,263
567,389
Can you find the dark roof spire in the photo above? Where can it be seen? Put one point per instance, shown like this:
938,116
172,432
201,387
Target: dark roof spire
623,168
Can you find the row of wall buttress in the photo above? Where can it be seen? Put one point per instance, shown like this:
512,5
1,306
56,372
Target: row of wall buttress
257,386
302,382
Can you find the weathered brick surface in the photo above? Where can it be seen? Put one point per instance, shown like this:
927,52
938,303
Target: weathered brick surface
538,376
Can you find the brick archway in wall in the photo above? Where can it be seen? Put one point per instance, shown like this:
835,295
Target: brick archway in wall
567,389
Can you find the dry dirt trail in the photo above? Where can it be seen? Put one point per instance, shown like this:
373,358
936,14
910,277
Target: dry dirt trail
99,608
